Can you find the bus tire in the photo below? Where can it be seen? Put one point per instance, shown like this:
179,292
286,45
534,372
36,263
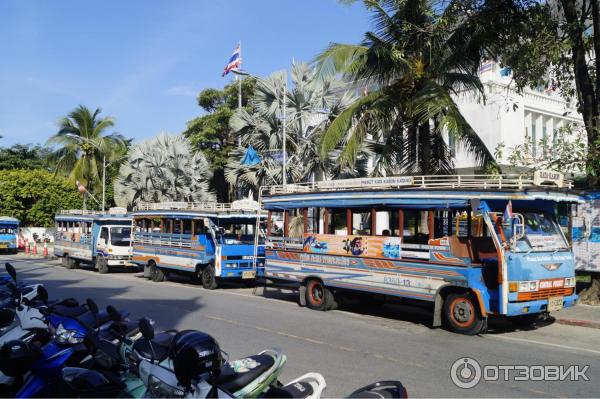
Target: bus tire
63,261
101,264
158,275
209,280
461,314
319,297
70,263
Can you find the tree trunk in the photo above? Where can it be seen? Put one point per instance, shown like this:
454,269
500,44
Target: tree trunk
586,93
425,149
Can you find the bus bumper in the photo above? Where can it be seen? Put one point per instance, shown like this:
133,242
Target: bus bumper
539,306
243,272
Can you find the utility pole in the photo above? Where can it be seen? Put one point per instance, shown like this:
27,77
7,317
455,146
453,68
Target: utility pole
283,126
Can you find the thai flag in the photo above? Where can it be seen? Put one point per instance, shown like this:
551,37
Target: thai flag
235,61
508,212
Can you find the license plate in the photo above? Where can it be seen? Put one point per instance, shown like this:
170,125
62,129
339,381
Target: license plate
555,303
249,274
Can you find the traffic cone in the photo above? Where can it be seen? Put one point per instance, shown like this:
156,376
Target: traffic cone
26,247
34,248
45,250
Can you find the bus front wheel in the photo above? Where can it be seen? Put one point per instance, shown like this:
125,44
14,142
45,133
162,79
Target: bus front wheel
101,264
319,297
462,315
209,280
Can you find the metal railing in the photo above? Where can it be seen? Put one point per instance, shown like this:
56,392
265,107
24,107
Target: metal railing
163,240
483,182
200,206
80,212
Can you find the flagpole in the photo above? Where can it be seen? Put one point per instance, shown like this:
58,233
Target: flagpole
239,89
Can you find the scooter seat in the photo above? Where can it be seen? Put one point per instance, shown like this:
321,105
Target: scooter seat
296,390
119,329
236,374
160,347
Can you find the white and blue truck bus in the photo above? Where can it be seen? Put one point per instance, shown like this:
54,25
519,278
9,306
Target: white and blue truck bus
9,228
101,239
211,242
475,247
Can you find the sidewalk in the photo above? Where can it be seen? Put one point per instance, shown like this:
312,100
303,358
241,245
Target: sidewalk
579,315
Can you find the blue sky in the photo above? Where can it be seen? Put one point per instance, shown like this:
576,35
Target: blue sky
143,62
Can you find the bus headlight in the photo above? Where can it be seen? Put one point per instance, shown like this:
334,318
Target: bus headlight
570,282
523,286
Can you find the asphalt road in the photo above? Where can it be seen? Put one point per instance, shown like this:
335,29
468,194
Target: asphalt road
350,347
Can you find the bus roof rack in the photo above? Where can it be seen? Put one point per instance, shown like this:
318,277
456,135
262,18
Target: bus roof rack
548,179
115,211
241,205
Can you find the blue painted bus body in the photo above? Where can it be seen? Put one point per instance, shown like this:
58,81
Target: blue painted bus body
8,234
467,263
232,256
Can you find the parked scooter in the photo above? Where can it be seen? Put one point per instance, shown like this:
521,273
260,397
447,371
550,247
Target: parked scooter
10,291
42,366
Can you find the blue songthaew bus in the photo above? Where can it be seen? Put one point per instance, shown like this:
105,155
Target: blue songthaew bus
102,239
474,246
208,241
9,228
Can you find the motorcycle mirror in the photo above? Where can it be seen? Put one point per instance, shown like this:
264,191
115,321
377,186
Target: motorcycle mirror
113,313
10,269
42,293
92,306
146,329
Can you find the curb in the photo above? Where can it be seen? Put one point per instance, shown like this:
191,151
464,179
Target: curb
579,323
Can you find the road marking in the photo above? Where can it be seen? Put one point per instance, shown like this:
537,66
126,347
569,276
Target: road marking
530,341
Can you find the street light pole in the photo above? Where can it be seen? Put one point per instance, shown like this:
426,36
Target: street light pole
283,122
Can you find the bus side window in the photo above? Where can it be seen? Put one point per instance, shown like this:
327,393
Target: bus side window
337,222
198,227
276,224
361,222
104,235
295,223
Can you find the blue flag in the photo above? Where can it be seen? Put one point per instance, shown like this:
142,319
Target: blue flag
251,157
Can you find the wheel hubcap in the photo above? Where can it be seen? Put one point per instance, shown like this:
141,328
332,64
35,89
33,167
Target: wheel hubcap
462,312
317,294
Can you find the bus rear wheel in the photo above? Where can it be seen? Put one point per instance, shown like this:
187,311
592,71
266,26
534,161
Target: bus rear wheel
209,280
158,274
319,297
462,314
101,264
70,263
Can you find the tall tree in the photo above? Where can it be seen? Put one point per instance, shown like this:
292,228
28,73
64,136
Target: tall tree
81,142
311,104
23,156
411,63
163,168
211,133
34,196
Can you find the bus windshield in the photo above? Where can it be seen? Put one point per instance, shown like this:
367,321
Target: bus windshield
542,233
120,236
238,232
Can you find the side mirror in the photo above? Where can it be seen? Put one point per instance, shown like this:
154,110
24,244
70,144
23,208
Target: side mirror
42,293
113,313
92,306
10,269
146,329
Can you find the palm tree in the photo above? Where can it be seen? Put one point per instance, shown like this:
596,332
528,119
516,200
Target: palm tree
82,142
311,104
163,168
412,63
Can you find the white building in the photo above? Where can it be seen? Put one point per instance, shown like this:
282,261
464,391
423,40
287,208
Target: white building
511,118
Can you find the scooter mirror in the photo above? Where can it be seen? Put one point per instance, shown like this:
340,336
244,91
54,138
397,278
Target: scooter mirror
146,329
42,293
10,269
92,306
114,314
